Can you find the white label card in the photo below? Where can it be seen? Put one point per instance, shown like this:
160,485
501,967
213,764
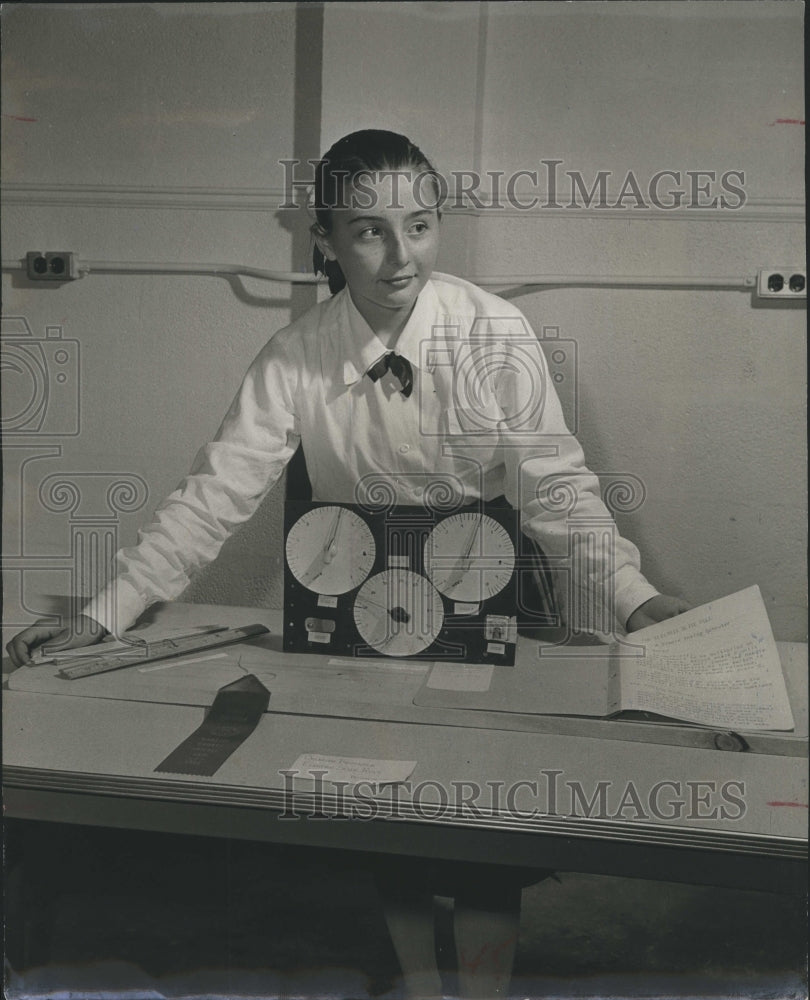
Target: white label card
352,770
323,637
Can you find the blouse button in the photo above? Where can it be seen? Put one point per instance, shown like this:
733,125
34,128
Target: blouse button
404,448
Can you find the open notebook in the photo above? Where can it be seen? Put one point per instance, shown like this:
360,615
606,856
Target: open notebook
717,665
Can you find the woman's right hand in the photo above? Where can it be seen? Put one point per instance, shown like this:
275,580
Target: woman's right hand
79,631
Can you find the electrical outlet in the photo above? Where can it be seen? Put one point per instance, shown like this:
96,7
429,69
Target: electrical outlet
782,283
54,265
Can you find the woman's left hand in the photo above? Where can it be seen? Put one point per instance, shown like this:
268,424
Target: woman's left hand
657,609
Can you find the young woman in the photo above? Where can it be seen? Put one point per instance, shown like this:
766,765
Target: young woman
421,379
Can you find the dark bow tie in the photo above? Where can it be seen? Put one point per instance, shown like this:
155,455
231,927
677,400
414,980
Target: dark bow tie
399,367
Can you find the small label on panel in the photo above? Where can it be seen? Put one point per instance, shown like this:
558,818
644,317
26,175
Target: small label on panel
462,608
501,628
327,601
496,647
399,562
323,637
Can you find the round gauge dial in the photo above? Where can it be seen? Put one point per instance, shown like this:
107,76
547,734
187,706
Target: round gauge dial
398,612
469,557
330,550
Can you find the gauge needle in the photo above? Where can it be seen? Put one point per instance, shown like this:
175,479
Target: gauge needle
330,549
326,555
385,619
364,601
315,569
463,563
382,620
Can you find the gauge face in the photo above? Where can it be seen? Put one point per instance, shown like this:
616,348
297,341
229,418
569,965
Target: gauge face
398,612
330,550
469,557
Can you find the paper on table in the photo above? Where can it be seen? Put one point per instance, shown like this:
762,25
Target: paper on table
461,676
561,686
717,665
352,770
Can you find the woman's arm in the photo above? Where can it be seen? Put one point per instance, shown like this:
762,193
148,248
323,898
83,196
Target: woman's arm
561,506
229,478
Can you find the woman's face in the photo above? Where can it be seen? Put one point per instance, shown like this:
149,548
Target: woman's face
386,243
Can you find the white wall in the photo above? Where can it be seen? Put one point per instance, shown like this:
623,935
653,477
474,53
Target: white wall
156,133
145,133
148,94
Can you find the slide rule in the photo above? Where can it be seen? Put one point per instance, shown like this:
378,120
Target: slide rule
161,649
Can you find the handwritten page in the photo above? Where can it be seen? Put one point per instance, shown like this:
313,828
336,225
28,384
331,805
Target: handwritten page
352,770
716,665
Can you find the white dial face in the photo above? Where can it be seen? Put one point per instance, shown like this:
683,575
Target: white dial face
330,550
398,612
469,557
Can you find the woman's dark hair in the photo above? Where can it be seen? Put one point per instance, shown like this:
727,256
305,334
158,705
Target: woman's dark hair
365,152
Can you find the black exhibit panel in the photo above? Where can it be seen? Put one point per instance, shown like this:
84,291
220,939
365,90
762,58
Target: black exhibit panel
404,581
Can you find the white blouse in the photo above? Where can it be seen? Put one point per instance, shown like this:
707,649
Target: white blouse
483,420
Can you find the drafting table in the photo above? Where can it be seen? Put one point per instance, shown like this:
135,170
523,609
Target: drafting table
85,751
